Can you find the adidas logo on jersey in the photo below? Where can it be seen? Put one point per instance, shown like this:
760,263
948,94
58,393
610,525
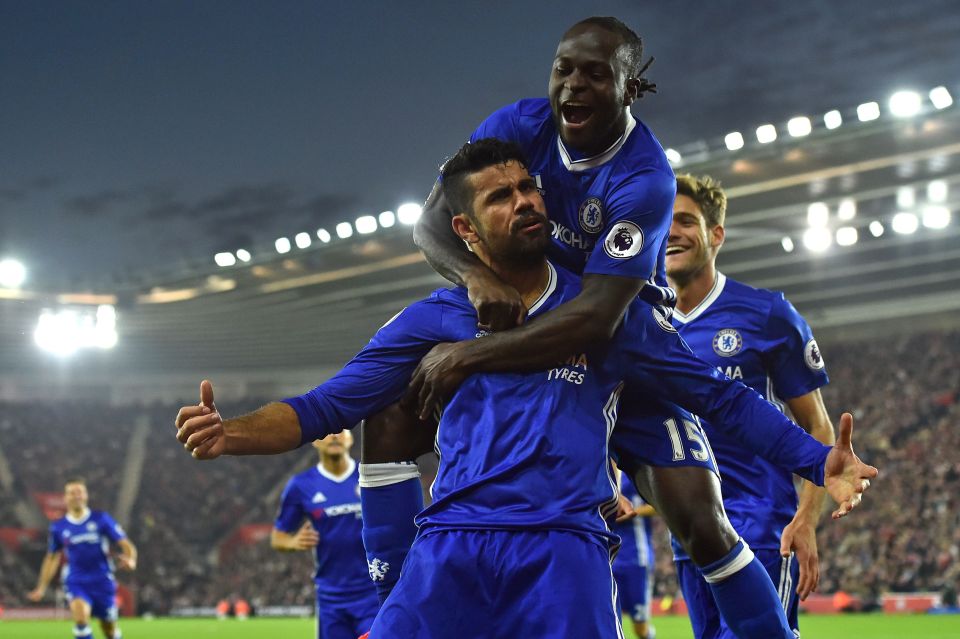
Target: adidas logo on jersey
319,498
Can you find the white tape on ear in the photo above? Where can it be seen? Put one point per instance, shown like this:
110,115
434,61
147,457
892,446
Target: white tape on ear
376,475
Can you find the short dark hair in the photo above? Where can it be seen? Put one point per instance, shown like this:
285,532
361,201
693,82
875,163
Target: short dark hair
707,193
630,50
469,159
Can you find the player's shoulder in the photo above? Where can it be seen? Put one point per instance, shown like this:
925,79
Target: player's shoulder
767,302
100,516
642,154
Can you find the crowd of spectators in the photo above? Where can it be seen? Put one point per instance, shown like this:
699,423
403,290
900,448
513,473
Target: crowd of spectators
903,392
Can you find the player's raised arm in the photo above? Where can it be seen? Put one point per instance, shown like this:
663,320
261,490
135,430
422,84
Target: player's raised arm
498,304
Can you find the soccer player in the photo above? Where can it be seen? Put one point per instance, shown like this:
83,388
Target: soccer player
756,336
634,565
609,190
83,537
505,466
320,511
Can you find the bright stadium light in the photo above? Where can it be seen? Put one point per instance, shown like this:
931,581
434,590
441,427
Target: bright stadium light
243,255
344,230
282,245
673,156
12,273
323,235
817,240
832,119
766,133
366,224
937,191
734,141
868,111
409,213
906,197
876,228
817,214
225,259
799,127
904,223
905,104
787,244
847,209
846,236
387,219
303,240
936,216
941,97
66,331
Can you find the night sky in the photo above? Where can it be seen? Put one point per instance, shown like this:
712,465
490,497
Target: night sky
138,137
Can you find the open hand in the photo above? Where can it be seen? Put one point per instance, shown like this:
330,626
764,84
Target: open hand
435,379
846,477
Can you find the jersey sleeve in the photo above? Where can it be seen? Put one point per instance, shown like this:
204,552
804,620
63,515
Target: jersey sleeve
793,360
638,217
291,511
658,362
501,124
375,378
111,528
54,543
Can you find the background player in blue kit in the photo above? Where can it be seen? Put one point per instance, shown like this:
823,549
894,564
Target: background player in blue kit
634,565
755,336
499,458
320,510
83,537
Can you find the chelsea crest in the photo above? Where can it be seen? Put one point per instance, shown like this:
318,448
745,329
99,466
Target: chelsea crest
591,215
727,342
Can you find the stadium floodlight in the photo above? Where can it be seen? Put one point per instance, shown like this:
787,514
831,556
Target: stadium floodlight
847,209
323,235
387,219
868,111
906,197
787,244
366,224
846,236
734,141
225,259
904,223
344,230
799,127
876,228
243,255
303,240
12,273
673,156
766,133
937,191
817,215
66,331
409,213
282,245
936,216
905,104
941,97
817,240
832,119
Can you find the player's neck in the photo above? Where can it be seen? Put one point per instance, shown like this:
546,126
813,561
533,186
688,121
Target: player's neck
693,290
530,280
77,514
335,465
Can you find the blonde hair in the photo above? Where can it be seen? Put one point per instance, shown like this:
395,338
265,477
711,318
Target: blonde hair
707,193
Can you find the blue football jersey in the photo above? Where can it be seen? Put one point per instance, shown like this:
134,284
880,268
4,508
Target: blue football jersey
757,337
332,504
610,214
85,543
636,535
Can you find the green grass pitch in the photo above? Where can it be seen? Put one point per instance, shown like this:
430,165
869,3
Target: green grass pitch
815,627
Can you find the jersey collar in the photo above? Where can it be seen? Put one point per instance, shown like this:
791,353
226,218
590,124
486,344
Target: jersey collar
78,520
351,466
575,166
547,291
705,303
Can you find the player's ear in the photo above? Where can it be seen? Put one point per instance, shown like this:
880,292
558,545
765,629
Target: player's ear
717,235
463,227
631,91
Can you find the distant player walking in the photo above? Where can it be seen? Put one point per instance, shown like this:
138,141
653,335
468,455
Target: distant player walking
328,497
84,537
633,567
